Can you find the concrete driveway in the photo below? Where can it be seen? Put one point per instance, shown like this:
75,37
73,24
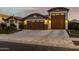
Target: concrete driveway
30,34
57,38
59,34
41,33
36,35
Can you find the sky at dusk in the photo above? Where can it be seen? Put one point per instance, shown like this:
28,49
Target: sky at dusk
24,11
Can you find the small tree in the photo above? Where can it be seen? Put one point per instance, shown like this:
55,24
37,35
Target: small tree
72,25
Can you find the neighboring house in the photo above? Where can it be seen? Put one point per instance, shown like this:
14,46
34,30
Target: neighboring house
13,20
75,20
74,24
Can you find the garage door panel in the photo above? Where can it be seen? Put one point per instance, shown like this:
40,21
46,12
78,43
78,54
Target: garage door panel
36,25
58,22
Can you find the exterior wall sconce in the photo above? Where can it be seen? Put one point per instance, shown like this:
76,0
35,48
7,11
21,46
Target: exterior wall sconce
49,21
25,22
66,21
46,21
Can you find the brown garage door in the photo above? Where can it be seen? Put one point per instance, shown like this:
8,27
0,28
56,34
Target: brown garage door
36,25
58,22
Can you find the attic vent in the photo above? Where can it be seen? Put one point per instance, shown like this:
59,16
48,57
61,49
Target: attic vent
34,16
57,9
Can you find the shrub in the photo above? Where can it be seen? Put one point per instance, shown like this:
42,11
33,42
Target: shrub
2,26
21,25
13,25
73,26
9,29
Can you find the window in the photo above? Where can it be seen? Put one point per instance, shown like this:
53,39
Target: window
62,13
11,21
16,21
57,14
32,20
41,21
53,14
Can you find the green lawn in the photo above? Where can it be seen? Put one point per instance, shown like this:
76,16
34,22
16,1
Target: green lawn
73,33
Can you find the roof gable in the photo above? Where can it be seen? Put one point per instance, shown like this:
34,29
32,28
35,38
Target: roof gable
75,20
13,17
58,9
35,16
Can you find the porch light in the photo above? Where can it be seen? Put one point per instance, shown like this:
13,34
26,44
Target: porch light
49,21
25,22
45,21
66,21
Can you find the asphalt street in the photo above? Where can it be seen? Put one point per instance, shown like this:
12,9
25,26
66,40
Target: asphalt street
10,46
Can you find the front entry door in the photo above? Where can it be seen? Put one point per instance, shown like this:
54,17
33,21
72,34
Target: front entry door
58,21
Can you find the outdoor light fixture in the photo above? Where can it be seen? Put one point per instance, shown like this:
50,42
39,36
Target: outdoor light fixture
49,21
66,21
45,21
25,22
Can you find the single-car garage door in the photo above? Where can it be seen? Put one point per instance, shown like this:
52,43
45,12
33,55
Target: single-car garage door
58,21
36,25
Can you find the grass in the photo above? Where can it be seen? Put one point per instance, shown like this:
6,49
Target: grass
8,30
73,33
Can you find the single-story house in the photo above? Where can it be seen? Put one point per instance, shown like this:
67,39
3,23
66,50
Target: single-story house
13,20
75,20
57,19
73,24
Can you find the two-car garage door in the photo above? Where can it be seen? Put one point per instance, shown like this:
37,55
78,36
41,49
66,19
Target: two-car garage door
36,25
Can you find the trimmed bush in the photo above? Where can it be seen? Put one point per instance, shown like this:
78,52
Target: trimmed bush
73,26
22,26
7,30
